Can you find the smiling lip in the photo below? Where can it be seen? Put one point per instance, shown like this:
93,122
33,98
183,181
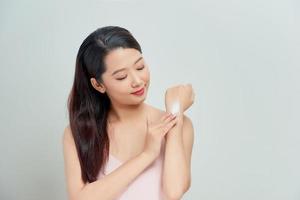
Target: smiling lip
139,92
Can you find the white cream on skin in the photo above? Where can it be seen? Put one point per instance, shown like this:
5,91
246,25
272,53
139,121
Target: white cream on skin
175,108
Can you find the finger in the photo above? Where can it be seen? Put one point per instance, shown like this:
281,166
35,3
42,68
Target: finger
169,118
165,116
167,128
173,121
159,122
165,119
169,125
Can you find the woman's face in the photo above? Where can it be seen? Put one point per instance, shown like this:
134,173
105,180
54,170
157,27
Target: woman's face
126,73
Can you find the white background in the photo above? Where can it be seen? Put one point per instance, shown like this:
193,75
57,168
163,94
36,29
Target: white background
242,58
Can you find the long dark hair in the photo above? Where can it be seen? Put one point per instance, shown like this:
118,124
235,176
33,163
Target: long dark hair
88,108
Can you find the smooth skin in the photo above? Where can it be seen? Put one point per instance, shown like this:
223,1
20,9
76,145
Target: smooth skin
136,130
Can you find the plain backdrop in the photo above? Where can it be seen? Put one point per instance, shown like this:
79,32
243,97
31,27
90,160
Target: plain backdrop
242,58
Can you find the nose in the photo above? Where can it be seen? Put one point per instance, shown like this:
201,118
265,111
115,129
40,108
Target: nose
136,80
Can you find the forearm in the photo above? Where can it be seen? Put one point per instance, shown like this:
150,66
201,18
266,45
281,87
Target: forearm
113,184
175,172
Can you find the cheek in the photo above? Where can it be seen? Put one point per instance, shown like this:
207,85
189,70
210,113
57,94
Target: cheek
114,87
118,90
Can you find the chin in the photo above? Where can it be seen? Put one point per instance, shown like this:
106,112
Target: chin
138,100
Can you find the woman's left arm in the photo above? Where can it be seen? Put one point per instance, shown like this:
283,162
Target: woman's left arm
176,176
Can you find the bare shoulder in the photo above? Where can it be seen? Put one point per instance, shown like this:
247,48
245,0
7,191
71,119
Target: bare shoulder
68,141
67,135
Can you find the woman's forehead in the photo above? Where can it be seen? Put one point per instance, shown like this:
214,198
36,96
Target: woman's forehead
121,58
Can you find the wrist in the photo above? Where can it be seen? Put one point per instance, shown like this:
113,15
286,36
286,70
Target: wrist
171,110
174,107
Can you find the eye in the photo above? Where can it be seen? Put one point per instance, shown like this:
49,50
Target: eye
141,68
121,78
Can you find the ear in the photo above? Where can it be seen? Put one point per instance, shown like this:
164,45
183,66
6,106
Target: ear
98,86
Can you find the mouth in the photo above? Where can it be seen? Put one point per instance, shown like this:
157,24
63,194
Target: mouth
139,92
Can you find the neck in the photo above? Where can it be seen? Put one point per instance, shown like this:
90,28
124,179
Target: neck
126,113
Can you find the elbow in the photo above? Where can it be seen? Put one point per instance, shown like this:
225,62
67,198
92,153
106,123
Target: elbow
172,194
187,186
176,194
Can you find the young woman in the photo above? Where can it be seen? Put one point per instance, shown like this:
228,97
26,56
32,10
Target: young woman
116,146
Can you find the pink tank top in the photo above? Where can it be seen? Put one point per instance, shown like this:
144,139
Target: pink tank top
147,185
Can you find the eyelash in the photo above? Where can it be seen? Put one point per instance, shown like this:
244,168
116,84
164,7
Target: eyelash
126,76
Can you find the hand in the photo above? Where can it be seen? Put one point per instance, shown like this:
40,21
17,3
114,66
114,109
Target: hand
156,132
183,94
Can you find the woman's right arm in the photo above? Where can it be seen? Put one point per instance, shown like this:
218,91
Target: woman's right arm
106,188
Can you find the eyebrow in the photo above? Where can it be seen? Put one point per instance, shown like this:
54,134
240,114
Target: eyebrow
118,70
